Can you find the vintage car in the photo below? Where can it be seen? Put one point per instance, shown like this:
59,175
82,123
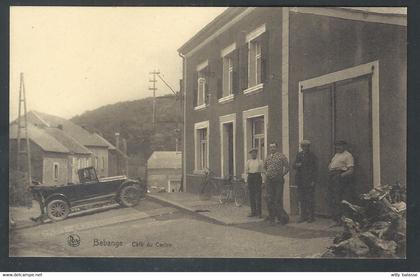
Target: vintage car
59,201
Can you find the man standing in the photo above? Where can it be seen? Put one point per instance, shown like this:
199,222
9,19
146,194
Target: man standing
341,170
276,166
306,171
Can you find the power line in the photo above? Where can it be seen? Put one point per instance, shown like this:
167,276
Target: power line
154,89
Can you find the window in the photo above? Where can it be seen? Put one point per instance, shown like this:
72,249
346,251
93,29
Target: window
227,76
228,55
254,73
258,136
79,163
257,46
203,148
255,122
201,138
103,163
96,163
202,85
201,89
55,171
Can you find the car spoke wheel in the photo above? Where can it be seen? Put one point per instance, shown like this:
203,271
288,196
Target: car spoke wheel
58,209
129,196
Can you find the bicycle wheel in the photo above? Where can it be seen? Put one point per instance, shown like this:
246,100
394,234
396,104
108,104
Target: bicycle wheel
224,196
240,196
205,191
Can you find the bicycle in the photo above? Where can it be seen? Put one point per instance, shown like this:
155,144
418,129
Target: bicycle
209,186
234,191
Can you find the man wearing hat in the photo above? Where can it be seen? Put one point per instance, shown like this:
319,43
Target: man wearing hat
341,170
306,172
254,169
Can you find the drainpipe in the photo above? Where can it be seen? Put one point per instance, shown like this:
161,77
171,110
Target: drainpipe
183,101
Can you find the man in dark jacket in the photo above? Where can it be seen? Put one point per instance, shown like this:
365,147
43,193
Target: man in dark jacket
306,171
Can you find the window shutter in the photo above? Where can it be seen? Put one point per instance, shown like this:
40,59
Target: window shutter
195,89
235,81
264,57
219,77
243,67
206,91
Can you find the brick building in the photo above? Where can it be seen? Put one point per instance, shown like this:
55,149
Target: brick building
257,75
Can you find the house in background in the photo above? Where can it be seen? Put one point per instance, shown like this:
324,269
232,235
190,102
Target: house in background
90,140
164,170
258,75
59,148
55,157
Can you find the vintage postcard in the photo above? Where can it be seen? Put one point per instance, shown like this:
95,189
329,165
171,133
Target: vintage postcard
228,132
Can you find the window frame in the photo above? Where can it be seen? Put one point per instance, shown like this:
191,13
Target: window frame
56,165
227,57
253,39
201,80
199,159
247,116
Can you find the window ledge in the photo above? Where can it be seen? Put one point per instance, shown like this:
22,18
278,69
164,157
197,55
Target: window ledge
226,98
201,107
254,89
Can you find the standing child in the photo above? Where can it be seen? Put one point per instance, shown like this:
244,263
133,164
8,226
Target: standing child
254,169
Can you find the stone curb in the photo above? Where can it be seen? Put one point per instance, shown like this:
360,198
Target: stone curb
187,209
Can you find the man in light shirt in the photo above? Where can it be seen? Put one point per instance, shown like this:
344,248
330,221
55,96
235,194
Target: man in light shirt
341,170
254,169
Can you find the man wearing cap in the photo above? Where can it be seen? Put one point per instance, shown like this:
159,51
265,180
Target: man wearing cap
254,169
276,167
306,171
341,170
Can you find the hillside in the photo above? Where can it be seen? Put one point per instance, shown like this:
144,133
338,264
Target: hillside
133,120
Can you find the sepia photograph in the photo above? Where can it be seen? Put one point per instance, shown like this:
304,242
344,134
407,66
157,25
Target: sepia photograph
208,132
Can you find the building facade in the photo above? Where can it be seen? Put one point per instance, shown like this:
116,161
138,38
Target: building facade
259,75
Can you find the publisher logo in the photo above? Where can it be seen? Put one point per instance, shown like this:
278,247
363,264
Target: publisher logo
73,240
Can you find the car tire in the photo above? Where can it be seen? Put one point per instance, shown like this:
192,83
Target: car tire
129,196
57,209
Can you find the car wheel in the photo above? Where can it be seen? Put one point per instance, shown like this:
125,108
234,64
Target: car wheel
58,210
129,196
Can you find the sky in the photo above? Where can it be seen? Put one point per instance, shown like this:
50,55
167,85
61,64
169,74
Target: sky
76,59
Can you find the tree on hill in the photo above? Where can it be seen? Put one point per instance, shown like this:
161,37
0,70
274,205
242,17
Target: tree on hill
134,121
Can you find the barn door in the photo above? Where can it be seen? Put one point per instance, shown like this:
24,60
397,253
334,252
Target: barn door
352,99
339,111
317,126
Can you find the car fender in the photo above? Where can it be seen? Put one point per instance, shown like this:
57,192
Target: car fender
56,196
130,182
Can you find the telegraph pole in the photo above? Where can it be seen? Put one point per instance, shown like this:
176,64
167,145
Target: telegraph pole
154,89
26,151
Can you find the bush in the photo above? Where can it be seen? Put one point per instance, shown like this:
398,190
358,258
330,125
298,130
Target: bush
19,195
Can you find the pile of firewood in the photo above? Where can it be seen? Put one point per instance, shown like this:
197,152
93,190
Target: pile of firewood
376,228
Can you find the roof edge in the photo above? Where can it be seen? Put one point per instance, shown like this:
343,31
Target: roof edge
226,19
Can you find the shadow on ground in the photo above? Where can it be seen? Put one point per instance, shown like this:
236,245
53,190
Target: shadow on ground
286,230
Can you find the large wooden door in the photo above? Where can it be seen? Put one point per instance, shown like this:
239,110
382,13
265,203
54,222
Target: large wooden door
339,111
353,124
317,127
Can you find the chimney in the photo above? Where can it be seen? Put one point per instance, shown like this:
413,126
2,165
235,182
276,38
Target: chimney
117,140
